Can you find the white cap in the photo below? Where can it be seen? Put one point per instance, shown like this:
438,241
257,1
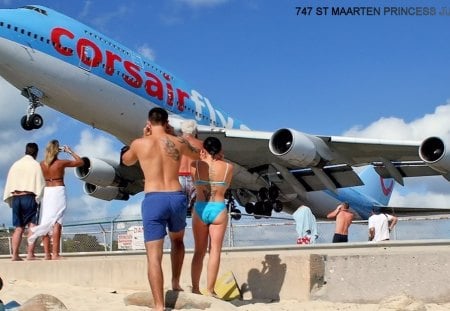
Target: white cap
189,127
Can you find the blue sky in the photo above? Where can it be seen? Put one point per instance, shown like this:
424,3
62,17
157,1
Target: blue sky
370,76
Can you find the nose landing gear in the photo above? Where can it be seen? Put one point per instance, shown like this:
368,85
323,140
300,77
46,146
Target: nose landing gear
32,120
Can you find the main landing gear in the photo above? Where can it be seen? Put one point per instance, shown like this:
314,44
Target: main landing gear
267,202
32,120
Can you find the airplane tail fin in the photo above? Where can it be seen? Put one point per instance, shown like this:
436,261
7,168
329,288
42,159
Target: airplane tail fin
375,187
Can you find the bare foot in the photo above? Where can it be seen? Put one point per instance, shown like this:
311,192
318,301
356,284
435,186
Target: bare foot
210,294
176,287
32,258
17,259
57,257
48,257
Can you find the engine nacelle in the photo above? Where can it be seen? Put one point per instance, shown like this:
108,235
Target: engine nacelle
104,193
298,149
434,152
98,172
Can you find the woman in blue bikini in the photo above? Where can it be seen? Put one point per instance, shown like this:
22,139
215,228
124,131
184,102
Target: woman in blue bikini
212,177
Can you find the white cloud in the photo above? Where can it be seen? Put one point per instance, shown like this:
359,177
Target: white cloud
419,199
87,208
86,9
418,191
131,210
147,52
432,124
99,146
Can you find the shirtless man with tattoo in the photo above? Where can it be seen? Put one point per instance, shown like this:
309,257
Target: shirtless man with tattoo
159,154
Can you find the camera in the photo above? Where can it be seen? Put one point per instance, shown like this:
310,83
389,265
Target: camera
61,149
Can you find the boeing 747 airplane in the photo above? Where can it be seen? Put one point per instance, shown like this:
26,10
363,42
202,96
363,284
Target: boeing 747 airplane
57,61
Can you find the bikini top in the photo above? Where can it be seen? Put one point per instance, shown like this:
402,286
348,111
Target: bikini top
201,182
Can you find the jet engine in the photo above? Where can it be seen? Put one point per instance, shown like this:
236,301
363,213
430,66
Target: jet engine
434,152
105,193
98,172
298,149
108,180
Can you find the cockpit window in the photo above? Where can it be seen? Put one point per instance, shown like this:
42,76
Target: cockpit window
39,10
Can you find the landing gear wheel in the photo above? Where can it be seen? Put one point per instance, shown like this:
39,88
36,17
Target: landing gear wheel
259,209
27,126
249,208
277,206
36,121
236,214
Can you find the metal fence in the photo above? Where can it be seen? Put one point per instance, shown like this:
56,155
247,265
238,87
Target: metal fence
125,235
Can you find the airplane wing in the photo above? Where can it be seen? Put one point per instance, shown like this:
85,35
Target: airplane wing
314,155
295,163
401,211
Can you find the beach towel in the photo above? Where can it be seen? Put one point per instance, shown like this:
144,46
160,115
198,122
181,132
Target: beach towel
24,175
52,211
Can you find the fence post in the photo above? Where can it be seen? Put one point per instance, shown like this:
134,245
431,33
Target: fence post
230,230
104,238
112,234
10,245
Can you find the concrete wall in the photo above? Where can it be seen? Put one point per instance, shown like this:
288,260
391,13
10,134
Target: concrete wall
348,273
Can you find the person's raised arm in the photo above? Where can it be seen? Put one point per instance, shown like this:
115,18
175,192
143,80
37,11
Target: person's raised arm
334,213
189,150
128,155
76,162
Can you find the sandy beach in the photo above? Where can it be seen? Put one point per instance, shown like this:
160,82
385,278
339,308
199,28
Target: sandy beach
112,299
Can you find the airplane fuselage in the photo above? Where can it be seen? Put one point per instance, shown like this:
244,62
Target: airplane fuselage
61,56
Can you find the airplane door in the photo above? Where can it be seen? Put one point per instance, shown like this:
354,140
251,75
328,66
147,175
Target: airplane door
87,58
